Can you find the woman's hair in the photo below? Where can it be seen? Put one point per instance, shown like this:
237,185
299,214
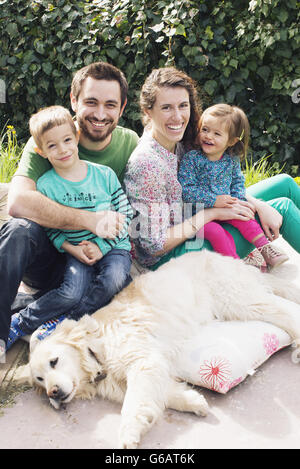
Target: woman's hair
172,77
47,118
99,71
237,125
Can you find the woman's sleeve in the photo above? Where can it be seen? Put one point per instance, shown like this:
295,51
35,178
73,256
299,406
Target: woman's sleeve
146,190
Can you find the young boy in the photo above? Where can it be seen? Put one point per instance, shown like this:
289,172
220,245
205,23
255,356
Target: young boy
89,258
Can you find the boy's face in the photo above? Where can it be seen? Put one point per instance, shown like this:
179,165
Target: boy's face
59,145
98,110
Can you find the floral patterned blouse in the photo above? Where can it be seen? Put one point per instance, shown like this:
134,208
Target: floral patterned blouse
155,195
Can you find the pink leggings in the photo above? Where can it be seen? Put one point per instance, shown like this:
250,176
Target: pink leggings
222,241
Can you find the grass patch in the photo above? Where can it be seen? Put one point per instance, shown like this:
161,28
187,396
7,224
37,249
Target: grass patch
259,170
10,153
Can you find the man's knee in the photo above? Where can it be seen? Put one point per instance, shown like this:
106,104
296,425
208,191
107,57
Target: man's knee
21,230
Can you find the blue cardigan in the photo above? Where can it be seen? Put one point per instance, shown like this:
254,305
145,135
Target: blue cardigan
202,180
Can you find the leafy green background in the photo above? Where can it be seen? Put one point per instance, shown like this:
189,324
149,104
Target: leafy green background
246,53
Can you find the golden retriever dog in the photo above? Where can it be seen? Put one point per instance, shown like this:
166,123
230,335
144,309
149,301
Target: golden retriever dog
128,351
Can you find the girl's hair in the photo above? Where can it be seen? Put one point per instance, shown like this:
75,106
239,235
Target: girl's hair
47,118
172,77
237,125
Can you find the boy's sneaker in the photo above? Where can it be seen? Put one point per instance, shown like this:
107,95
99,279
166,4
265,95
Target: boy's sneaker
272,255
48,327
15,332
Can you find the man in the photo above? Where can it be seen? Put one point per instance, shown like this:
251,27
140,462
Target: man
98,97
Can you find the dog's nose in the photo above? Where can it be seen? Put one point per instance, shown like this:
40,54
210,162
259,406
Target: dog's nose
55,393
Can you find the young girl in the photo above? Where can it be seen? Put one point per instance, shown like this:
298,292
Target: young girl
214,178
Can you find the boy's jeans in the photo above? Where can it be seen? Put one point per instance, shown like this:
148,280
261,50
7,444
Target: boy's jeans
84,290
59,301
27,254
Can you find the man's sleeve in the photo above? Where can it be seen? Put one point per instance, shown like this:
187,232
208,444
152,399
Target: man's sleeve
31,164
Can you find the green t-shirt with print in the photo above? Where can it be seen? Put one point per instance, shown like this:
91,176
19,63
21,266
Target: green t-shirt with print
115,155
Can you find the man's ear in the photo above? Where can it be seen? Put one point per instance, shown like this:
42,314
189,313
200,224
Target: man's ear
73,102
39,151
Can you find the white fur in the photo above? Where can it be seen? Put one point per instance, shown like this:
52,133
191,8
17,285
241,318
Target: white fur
127,351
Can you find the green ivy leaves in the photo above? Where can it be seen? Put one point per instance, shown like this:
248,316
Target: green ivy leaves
246,53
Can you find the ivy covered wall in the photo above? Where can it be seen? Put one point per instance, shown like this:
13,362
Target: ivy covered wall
246,53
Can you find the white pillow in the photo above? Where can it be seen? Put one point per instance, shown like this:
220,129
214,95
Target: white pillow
225,353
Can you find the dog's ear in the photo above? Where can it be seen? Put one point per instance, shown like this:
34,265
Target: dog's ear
22,375
77,331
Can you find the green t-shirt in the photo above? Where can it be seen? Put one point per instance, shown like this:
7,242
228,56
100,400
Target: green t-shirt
115,155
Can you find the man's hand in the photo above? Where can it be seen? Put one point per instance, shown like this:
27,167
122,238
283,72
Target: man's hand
108,224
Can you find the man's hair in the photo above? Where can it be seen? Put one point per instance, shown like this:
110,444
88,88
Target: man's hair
99,71
47,118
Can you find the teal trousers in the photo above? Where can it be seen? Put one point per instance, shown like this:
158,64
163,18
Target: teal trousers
282,193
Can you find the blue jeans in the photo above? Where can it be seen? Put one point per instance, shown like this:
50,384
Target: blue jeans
25,254
59,301
84,290
111,275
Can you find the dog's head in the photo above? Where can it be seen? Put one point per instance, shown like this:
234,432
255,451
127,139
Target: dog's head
68,363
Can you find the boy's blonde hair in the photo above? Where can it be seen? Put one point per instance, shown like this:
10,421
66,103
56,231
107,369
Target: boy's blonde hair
237,125
47,118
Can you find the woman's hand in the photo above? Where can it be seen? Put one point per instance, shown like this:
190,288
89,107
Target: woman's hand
225,201
240,210
270,219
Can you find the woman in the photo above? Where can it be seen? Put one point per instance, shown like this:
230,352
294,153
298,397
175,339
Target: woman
164,227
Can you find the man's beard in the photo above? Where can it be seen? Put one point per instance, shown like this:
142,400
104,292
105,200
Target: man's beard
97,135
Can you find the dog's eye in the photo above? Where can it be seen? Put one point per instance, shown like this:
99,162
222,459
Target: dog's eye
39,378
53,362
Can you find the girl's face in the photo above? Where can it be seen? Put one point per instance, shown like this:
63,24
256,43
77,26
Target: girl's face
170,116
214,137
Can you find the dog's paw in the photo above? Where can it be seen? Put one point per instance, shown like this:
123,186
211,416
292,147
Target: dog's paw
197,403
128,439
296,355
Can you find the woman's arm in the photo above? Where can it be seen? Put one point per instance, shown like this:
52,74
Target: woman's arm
181,232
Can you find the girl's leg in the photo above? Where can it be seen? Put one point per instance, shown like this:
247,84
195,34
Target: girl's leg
195,244
252,231
221,241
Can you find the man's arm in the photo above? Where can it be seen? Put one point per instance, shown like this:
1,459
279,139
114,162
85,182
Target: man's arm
24,201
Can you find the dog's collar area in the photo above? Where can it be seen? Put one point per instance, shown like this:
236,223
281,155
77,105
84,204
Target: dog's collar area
100,375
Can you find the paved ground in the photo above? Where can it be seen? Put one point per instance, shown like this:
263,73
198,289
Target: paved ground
261,412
